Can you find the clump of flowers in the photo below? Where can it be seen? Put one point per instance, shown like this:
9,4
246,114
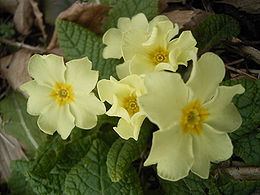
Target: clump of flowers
148,47
61,94
194,118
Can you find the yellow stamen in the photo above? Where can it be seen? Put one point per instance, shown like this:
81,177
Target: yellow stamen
62,93
193,116
159,55
130,104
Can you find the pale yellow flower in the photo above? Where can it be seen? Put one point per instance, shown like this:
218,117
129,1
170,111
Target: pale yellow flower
193,119
122,95
61,94
148,47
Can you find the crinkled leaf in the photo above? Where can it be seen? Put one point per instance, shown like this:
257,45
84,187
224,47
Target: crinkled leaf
190,185
248,148
77,42
17,183
212,29
229,186
18,123
129,8
47,155
248,105
50,179
123,152
90,176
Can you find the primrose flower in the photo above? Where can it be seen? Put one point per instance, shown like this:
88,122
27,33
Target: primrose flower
122,95
61,94
193,119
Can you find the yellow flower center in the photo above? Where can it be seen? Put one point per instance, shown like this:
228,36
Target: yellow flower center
62,93
193,116
130,104
159,55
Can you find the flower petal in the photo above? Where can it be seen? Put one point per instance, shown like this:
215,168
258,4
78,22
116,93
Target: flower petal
131,129
108,88
47,69
113,39
85,109
39,97
205,76
209,146
173,31
136,82
224,116
178,56
172,151
132,43
165,98
141,64
159,35
117,110
56,118
80,75
122,70
184,42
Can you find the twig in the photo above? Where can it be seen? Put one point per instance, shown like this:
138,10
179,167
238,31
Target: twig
235,62
23,45
240,72
243,173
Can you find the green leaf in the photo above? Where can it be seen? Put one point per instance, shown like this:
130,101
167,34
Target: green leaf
129,8
50,179
77,42
210,31
17,183
18,123
90,176
248,148
248,105
190,185
47,156
123,152
229,186
175,188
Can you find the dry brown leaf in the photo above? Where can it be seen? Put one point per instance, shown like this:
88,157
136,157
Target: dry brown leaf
187,19
89,15
250,6
14,68
23,17
39,17
10,149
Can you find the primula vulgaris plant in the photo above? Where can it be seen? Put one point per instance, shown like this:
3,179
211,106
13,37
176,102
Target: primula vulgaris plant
193,118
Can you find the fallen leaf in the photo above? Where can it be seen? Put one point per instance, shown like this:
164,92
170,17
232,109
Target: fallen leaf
39,17
10,149
249,6
23,17
14,68
187,19
89,15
